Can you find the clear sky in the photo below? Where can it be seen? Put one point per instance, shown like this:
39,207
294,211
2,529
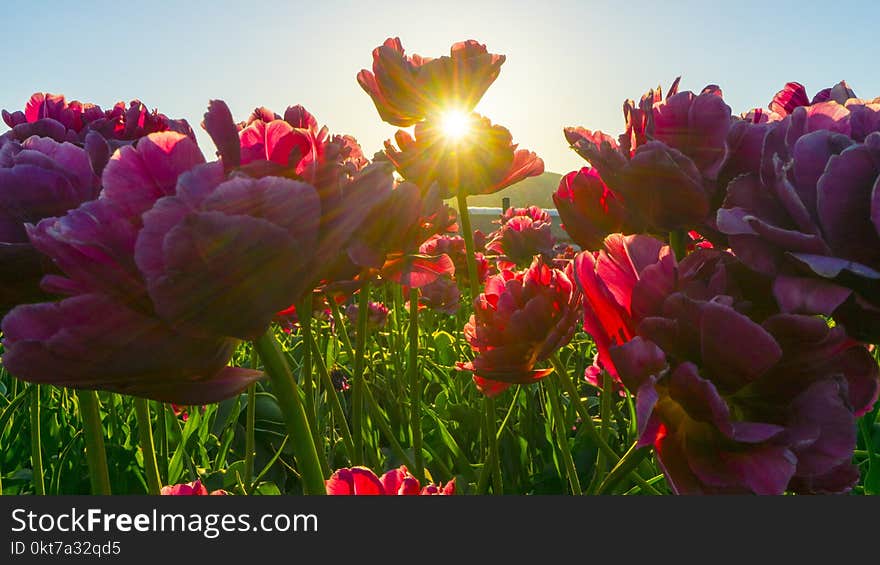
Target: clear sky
568,62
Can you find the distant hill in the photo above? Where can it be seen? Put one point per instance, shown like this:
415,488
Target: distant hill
536,191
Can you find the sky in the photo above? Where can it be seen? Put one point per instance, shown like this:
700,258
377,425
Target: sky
569,63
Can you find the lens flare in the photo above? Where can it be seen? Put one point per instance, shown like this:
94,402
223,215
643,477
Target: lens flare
455,124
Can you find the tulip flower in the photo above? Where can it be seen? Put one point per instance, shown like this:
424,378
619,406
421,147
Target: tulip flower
589,210
485,160
734,396
106,331
51,115
666,168
349,190
195,488
376,317
406,89
524,233
520,319
454,247
39,178
606,279
363,481
807,216
51,162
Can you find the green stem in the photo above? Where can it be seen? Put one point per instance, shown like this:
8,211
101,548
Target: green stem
335,405
148,448
468,234
624,467
589,425
415,389
339,324
678,243
36,442
561,435
163,442
90,413
304,312
493,461
605,416
250,441
384,428
288,395
357,385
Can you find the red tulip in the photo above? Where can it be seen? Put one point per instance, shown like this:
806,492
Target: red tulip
363,481
406,89
519,320
484,161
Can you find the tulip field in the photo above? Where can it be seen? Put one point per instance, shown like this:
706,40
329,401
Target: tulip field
280,313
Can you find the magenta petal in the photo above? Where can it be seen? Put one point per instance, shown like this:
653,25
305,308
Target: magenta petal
833,267
765,470
637,361
93,342
221,127
808,295
136,177
228,274
354,481
735,350
844,195
93,245
822,427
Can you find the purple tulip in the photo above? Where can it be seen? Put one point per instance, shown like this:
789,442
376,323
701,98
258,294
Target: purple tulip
666,169
811,217
39,178
734,396
106,334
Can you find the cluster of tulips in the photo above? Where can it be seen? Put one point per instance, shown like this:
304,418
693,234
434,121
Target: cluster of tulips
728,268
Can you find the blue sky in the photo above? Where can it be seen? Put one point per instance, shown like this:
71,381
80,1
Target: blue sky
568,62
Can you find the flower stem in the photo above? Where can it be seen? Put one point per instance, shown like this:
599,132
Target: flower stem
339,326
589,425
36,442
288,395
468,234
335,405
489,403
304,313
357,385
561,435
148,448
605,416
415,390
678,243
250,432
627,464
89,408
163,442
384,428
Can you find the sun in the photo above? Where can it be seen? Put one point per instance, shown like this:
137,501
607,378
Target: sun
455,124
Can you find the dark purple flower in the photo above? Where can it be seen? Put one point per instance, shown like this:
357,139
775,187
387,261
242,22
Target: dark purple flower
734,396
39,178
808,216
106,334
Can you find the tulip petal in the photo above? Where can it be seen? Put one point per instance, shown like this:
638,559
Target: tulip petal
93,342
